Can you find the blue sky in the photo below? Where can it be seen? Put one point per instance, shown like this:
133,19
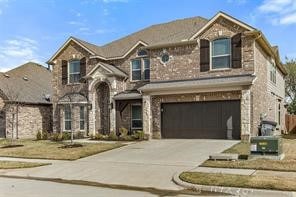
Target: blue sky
32,30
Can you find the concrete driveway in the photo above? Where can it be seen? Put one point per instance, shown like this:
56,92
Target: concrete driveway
144,164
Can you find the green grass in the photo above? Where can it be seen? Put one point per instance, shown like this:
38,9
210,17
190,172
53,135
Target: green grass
18,164
45,149
242,181
287,164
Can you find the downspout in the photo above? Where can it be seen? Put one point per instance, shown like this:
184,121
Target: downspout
17,123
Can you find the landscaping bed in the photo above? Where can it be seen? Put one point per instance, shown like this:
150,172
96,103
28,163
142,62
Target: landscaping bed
18,164
45,149
242,181
287,164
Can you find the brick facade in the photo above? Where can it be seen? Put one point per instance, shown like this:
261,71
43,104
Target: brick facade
184,64
28,120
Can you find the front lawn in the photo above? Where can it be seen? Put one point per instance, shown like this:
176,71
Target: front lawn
287,164
242,181
45,149
18,164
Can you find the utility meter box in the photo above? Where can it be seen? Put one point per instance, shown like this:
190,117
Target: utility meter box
266,145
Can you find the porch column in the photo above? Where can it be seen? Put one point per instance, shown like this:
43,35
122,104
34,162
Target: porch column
92,114
246,115
113,116
147,115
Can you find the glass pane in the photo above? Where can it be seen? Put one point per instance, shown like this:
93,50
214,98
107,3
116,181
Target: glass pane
81,113
146,74
67,112
74,78
137,124
221,47
136,75
67,125
221,62
146,63
142,53
81,125
136,112
74,66
136,64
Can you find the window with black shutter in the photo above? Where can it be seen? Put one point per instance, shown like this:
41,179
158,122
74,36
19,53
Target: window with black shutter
64,72
204,55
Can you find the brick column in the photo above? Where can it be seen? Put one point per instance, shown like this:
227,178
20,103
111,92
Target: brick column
246,115
147,115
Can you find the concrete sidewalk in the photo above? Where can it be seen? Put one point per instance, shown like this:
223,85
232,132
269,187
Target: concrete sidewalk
31,160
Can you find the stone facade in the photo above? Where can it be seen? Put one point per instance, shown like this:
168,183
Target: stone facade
2,118
25,120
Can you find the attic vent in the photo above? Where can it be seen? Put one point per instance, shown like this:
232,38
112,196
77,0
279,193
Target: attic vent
6,75
25,78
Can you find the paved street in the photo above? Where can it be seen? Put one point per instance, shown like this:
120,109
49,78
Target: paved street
145,164
31,188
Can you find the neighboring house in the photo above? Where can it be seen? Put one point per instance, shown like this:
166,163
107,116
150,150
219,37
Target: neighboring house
25,106
189,78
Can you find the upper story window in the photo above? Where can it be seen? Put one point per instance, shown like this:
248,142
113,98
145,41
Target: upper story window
140,69
142,52
220,53
272,73
74,71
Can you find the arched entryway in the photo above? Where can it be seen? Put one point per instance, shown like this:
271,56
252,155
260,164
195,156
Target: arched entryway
103,111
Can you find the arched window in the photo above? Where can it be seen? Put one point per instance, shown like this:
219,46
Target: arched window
142,52
220,53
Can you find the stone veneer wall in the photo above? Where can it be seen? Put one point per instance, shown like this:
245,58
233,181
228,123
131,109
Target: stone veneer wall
158,100
31,119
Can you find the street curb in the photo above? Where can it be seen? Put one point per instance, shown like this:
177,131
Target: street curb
231,190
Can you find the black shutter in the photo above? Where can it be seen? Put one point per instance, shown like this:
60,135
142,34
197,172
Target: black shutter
82,67
236,51
64,72
204,55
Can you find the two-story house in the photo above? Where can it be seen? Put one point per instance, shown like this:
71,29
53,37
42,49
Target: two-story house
189,78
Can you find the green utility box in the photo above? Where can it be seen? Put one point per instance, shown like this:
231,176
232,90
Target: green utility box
266,145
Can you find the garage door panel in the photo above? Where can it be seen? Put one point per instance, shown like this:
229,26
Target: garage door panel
212,120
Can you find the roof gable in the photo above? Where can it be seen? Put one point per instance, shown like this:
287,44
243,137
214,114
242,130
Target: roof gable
76,41
226,16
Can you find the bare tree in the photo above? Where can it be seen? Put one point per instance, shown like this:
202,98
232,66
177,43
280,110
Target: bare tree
12,104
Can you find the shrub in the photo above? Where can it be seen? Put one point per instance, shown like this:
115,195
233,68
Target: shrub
57,137
39,135
138,135
79,135
45,135
123,132
126,138
112,136
66,136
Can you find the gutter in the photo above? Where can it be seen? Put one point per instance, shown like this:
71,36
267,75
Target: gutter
267,47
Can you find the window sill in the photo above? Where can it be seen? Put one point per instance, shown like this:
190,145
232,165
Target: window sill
73,84
220,69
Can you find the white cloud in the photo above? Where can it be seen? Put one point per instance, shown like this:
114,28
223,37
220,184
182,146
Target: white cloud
279,12
14,52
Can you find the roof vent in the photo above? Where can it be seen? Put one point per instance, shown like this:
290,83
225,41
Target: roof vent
6,75
25,78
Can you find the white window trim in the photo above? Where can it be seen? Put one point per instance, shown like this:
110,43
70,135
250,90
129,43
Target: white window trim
72,73
66,130
142,68
133,128
80,120
230,57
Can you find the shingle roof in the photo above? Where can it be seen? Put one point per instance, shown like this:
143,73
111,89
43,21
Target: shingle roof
170,32
28,83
